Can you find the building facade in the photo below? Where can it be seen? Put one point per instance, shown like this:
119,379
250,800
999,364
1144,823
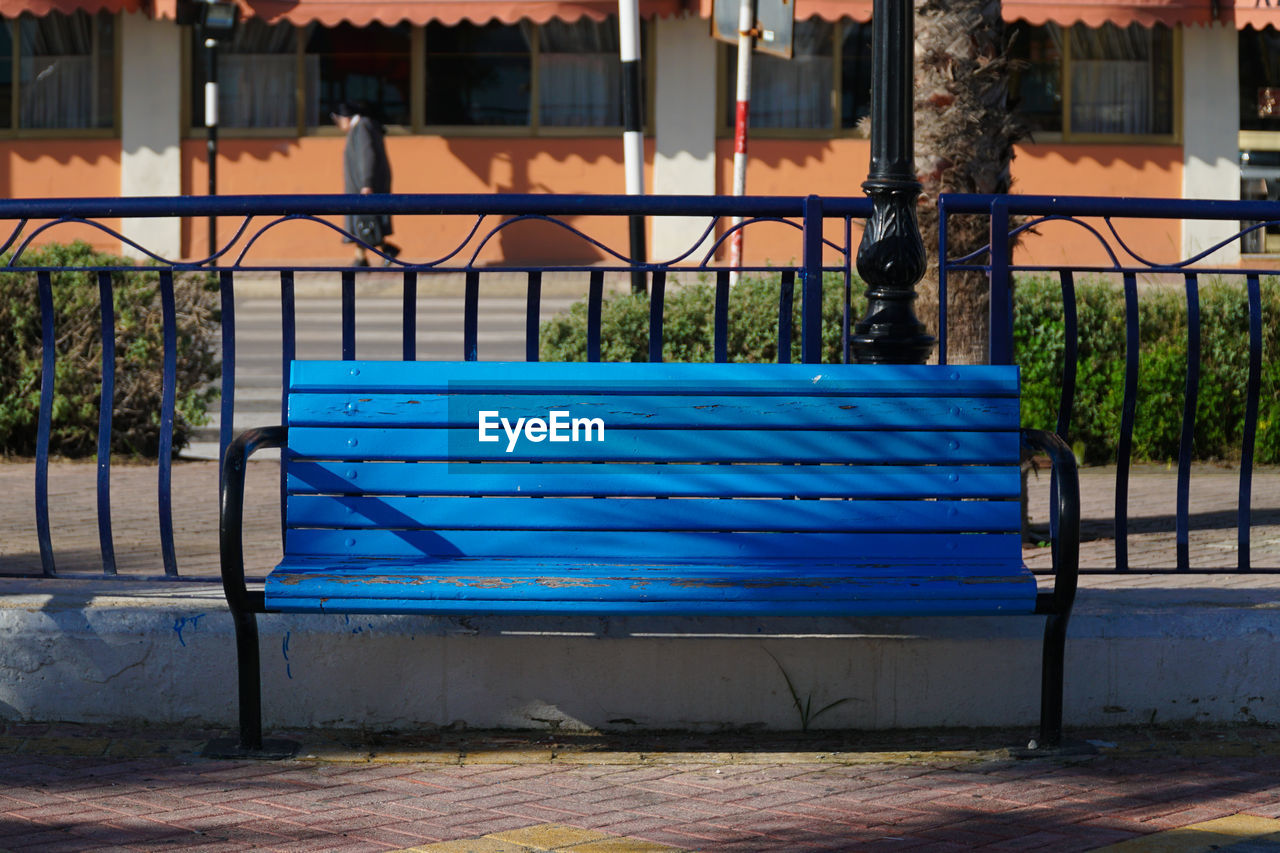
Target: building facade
105,98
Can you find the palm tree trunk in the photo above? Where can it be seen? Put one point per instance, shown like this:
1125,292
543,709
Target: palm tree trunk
963,143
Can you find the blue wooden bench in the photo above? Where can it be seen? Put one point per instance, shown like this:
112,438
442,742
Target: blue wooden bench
698,489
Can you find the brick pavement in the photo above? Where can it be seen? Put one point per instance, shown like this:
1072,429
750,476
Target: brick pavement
100,789
84,788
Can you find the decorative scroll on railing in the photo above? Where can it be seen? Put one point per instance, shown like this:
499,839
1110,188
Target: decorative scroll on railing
1106,219
489,216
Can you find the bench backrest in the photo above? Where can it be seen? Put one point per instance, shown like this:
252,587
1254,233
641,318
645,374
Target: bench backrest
388,459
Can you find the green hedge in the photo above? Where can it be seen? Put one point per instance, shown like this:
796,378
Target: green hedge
1039,340
1162,324
687,325
78,373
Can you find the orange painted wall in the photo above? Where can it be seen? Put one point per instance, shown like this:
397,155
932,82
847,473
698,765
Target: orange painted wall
62,168
839,166
86,167
1107,170
788,167
420,164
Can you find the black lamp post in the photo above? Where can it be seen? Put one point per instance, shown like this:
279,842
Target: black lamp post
891,257
217,21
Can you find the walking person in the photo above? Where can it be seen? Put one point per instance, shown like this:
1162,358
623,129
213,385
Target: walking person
366,170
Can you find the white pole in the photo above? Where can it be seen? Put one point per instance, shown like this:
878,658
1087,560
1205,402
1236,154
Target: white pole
632,127
746,41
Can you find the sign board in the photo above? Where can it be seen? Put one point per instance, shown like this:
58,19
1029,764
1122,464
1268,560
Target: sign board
775,21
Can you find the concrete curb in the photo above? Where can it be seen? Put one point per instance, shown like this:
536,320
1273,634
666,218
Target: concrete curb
163,653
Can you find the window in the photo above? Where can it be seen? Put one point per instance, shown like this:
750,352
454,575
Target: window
368,65
1259,79
556,74
1087,81
65,72
478,75
494,75
258,73
801,93
257,76
579,74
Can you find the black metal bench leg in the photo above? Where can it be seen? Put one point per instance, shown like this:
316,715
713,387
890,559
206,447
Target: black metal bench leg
250,744
249,665
1052,672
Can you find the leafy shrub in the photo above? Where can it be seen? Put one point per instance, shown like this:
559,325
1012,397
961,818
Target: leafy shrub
1162,323
1039,342
689,321
78,372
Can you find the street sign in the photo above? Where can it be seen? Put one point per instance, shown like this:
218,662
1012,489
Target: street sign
774,24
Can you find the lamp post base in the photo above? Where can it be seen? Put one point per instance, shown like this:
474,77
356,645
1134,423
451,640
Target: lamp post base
891,260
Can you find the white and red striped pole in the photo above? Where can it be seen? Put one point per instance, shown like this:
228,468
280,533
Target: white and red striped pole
632,126
746,41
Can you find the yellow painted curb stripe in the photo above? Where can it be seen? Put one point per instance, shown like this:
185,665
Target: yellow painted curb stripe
1204,837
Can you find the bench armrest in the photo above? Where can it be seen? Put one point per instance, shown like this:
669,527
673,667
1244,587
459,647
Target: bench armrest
1066,526
231,517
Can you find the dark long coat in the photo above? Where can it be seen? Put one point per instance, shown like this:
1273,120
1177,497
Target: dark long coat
365,164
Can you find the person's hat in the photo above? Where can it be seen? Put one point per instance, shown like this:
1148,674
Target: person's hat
346,109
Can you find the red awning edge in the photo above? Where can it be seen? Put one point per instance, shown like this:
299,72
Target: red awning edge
14,8
1093,13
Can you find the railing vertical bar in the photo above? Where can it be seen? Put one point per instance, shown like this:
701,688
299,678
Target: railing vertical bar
348,315
1070,366
533,311
1124,448
720,339
227,294
409,331
288,352
1253,393
811,283
786,309
942,280
106,407
1001,298
846,320
471,316
48,353
595,304
1190,394
1070,354
168,402
657,298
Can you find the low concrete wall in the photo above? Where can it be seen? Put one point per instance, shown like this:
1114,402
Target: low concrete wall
83,651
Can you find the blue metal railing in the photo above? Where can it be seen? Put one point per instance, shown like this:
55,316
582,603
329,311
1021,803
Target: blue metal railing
1010,216
490,215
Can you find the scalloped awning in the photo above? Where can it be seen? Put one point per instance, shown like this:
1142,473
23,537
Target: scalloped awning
14,8
361,12
1243,13
1119,12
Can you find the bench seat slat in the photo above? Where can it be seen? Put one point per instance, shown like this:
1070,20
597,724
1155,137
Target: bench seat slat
815,607
658,412
802,481
654,545
647,514
498,586
711,380
656,445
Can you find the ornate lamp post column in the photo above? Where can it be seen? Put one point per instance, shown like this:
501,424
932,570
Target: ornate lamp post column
891,256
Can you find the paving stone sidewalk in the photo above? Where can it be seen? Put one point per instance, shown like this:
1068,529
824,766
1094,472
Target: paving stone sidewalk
85,788
78,788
